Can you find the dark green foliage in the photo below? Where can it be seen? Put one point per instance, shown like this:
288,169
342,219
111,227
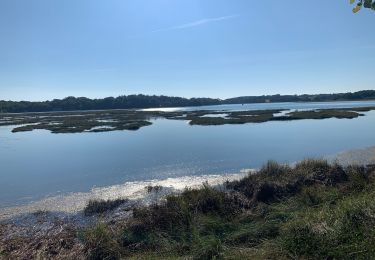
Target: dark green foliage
301,241
237,117
176,212
121,102
358,178
254,233
261,116
360,95
370,4
309,166
313,210
323,114
155,189
101,206
208,248
196,219
100,243
78,122
208,200
143,101
345,230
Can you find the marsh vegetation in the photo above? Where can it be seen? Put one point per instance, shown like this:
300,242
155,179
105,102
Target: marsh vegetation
114,120
101,206
313,210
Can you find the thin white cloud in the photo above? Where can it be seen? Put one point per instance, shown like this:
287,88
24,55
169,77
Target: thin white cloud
196,23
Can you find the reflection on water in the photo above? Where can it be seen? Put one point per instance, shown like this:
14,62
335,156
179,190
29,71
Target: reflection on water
38,164
74,202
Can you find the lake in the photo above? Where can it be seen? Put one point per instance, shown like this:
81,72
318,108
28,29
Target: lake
38,164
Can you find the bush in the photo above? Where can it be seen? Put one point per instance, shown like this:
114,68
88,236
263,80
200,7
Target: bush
254,234
342,231
274,169
312,196
100,206
208,248
100,243
314,210
309,166
155,189
208,200
170,216
300,240
358,178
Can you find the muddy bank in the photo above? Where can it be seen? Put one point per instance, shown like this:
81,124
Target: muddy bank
211,222
51,227
134,191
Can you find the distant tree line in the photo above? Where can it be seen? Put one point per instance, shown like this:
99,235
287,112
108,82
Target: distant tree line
360,95
121,102
144,101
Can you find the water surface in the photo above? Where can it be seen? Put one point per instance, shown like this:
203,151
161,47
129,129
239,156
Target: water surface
39,164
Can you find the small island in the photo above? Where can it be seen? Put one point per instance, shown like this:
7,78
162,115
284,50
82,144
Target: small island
132,119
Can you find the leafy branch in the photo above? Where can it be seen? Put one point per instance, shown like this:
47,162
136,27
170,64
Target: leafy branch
363,3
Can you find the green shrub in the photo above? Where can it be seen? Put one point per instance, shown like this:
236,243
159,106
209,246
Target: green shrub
308,166
100,243
312,196
342,231
274,169
155,189
100,206
301,241
314,210
358,178
208,200
172,215
254,234
208,248
206,225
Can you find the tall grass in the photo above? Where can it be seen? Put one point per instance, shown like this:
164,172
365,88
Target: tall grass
314,210
101,206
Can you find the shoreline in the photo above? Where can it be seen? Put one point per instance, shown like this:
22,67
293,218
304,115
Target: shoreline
259,208
74,202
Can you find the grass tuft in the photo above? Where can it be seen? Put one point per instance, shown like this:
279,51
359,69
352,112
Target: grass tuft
313,210
101,206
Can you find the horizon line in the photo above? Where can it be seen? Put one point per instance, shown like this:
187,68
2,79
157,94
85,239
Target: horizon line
175,96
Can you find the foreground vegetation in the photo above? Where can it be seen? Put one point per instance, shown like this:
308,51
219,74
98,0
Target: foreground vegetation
313,210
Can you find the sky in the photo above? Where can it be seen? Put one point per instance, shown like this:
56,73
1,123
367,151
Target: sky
190,48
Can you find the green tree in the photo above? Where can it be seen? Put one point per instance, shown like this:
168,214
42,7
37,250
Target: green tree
363,3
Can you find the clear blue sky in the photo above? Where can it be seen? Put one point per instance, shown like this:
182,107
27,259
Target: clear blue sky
214,48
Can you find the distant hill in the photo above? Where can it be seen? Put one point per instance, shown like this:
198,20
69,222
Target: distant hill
145,101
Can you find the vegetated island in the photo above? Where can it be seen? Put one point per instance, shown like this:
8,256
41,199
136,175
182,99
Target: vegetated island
144,101
312,210
131,119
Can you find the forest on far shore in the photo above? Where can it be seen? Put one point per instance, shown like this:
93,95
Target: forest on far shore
147,101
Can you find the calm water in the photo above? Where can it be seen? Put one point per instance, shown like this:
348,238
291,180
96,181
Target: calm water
37,164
